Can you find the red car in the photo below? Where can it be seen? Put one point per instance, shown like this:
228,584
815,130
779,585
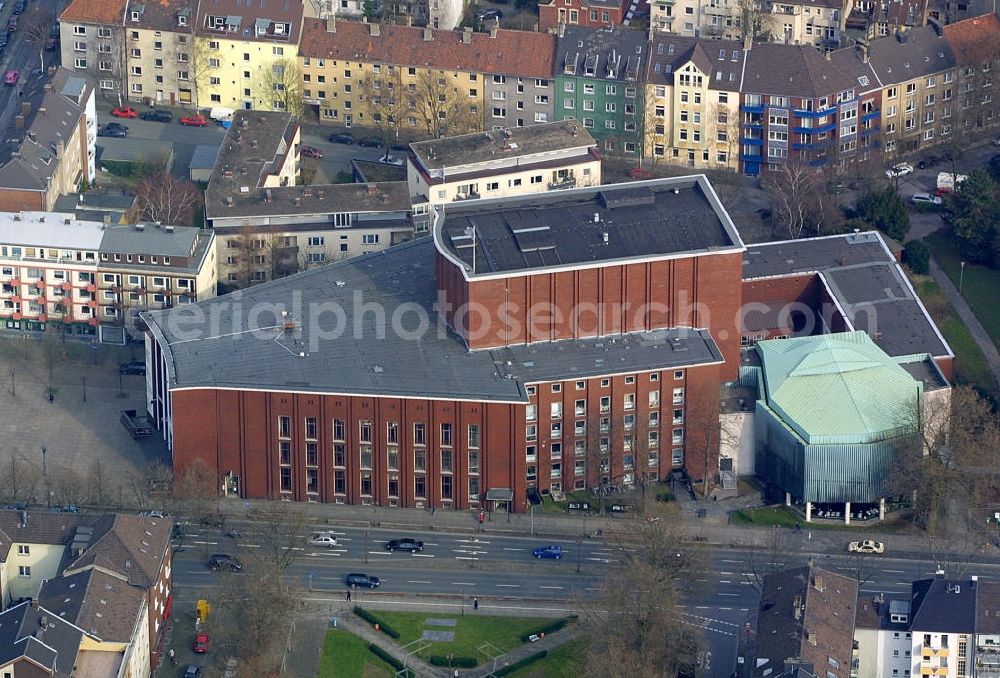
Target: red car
310,152
201,643
194,120
11,77
125,112
640,173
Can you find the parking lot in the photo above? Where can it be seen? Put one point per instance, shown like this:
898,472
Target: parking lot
89,456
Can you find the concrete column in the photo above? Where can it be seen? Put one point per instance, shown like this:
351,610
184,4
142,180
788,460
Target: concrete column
881,508
788,498
809,511
847,513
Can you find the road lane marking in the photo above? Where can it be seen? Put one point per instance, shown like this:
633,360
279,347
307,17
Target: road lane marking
379,553
730,595
416,581
507,548
509,586
463,583
725,581
207,543
466,558
422,555
894,571
555,588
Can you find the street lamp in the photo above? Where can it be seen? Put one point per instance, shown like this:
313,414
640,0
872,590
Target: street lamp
45,475
961,277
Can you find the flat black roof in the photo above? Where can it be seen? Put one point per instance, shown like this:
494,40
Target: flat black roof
207,347
865,279
637,220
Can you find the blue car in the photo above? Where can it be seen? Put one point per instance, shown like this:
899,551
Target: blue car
550,551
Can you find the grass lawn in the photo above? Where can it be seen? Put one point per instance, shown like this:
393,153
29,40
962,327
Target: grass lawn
345,655
566,661
472,631
767,515
979,286
971,367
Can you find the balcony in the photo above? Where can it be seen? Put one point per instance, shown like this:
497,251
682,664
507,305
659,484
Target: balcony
751,141
664,3
714,30
815,130
753,108
871,116
568,182
751,158
467,196
798,113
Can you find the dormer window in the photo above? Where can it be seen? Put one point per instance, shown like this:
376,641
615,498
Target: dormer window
182,20
135,16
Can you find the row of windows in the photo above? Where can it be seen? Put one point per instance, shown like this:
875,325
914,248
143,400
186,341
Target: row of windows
365,457
365,431
366,486
605,383
629,444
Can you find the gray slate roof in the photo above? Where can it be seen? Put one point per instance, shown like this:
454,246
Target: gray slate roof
54,645
35,527
102,604
641,220
924,52
865,279
943,606
721,60
794,71
432,364
617,53
151,240
132,546
36,162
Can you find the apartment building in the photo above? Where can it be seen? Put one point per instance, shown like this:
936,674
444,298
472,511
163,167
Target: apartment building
697,18
268,227
873,19
247,54
599,81
584,13
92,42
51,148
86,275
152,266
426,81
975,44
163,64
943,627
820,23
503,163
692,101
882,635
801,105
917,69
806,619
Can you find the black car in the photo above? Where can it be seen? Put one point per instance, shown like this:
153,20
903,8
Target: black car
223,561
134,367
341,139
157,116
192,671
362,580
400,147
489,15
411,545
371,142
113,129
216,520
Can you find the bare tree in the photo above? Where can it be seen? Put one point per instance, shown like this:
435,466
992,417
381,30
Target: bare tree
201,65
754,19
165,199
280,84
279,532
196,489
35,30
764,562
386,103
634,627
795,192
21,478
441,105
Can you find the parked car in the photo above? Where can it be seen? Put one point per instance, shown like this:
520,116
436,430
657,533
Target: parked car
550,551
326,539
925,199
363,580
489,15
899,170
310,152
113,129
223,561
134,367
866,546
158,116
153,514
50,44
136,423
371,142
928,161
405,148
996,142
411,545
125,112
11,77
388,159
640,173
341,139
201,643
192,671
215,520
194,120
12,24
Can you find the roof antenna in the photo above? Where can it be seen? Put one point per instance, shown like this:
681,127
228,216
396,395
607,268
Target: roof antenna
471,231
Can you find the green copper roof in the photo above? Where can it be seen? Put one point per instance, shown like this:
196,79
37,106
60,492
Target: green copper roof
838,388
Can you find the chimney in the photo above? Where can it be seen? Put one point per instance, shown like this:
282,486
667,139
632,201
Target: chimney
19,122
494,29
818,583
428,34
331,25
797,607
562,30
24,519
374,30
863,49
372,189
409,21
25,108
47,88
747,42
935,24
829,55
467,35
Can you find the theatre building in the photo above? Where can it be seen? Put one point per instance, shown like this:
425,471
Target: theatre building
552,341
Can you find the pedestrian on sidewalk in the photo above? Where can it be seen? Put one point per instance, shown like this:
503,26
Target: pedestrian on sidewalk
51,398
348,595
475,603
173,659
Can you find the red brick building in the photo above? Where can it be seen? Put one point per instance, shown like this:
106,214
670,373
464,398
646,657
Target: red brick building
557,342
586,13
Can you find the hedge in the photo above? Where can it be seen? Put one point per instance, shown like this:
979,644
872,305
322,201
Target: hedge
456,662
387,658
373,620
551,627
530,659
